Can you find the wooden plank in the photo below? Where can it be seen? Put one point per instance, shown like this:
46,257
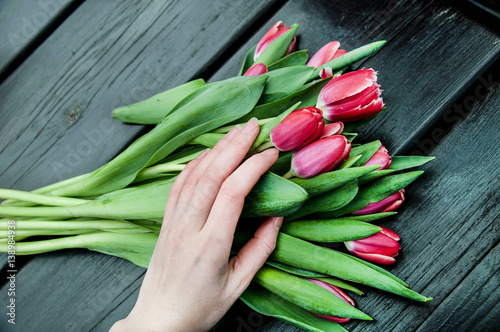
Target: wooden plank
24,24
56,122
475,304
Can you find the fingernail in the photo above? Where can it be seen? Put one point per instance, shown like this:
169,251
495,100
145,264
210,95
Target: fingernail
250,125
232,133
270,152
277,222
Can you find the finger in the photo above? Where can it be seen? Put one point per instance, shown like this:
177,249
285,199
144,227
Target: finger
176,188
253,255
228,205
191,182
225,163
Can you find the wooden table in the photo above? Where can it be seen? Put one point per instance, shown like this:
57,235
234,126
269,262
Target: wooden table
65,64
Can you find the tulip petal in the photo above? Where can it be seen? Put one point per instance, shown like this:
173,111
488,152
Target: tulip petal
375,258
325,54
332,129
256,70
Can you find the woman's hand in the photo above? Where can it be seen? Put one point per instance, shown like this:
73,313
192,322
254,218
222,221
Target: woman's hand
191,282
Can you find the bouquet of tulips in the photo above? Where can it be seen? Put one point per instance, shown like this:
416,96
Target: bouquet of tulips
329,187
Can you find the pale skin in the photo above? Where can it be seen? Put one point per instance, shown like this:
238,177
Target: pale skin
191,281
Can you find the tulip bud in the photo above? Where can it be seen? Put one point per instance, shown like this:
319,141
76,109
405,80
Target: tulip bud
298,129
326,72
320,156
388,204
332,129
339,293
352,96
379,248
381,157
256,70
327,53
277,30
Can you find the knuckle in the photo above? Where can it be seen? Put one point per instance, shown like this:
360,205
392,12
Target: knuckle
193,179
268,247
232,189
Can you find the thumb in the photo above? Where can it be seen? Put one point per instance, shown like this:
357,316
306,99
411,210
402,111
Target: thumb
253,255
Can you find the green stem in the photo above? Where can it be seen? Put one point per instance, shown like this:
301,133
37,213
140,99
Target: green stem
288,175
264,146
102,224
39,198
153,171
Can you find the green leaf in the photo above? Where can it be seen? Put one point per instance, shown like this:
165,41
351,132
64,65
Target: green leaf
327,181
341,284
283,164
378,190
293,59
278,48
404,162
306,294
308,96
366,151
329,201
154,109
370,217
248,61
330,230
296,252
295,270
209,107
373,176
351,161
273,196
284,81
208,139
349,58
270,304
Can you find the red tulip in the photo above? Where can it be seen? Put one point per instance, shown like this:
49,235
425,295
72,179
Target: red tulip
339,293
320,156
332,129
352,96
256,70
298,129
379,248
277,30
327,53
388,204
381,157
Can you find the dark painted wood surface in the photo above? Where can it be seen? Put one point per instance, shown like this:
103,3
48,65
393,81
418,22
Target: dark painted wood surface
109,54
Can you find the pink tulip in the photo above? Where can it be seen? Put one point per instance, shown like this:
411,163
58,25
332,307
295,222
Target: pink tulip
388,204
339,293
381,157
256,70
298,129
327,53
352,96
320,156
332,129
380,248
277,30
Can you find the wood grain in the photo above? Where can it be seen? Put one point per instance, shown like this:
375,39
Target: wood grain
25,23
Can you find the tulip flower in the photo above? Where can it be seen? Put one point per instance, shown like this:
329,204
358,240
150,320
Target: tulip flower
327,53
380,248
256,70
276,30
388,204
332,129
320,156
298,129
381,157
339,293
350,97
